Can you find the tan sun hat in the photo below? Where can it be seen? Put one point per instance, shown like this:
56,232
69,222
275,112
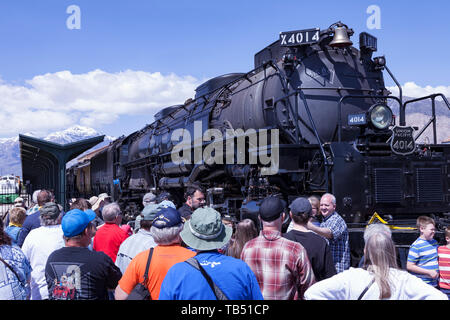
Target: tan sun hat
101,197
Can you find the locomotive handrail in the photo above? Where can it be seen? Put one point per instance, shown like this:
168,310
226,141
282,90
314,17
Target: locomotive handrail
314,129
361,97
322,151
335,88
400,91
433,115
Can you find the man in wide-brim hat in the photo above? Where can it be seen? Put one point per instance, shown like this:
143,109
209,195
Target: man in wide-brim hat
206,233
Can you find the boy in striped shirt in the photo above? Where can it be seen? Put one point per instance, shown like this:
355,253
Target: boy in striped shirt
444,264
422,256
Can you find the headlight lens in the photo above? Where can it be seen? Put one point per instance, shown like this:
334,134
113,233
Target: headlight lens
380,116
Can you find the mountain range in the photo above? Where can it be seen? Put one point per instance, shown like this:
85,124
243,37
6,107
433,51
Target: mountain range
419,113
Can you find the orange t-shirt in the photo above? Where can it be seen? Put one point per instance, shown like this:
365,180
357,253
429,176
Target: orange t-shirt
164,257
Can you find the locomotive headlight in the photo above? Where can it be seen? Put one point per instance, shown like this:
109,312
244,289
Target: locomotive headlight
380,116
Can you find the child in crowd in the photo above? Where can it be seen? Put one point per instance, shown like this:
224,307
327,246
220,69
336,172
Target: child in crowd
17,216
422,256
444,264
315,214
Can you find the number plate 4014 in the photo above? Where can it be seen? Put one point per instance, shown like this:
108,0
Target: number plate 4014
402,141
299,37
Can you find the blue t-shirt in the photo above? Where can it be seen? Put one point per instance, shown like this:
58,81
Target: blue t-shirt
31,222
13,233
423,253
233,276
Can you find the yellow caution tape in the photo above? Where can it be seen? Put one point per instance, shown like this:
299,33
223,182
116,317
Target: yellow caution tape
376,216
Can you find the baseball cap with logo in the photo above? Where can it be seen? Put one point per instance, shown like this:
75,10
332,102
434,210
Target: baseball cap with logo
167,217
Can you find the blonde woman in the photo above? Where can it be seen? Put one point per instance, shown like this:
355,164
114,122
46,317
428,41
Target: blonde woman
379,279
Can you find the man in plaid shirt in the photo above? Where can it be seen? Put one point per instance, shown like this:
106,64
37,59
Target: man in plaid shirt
333,228
281,266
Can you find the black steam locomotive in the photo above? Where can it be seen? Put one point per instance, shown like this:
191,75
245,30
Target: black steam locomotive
313,116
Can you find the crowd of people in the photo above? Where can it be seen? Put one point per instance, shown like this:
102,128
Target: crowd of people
195,253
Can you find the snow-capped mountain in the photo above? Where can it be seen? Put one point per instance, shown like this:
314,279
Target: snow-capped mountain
73,134
10,162
10,156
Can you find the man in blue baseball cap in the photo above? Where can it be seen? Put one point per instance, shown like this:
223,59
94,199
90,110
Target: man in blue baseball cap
74,272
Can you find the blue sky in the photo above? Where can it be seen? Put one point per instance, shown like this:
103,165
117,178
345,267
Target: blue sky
98,75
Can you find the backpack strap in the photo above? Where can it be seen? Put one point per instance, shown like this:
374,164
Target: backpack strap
217,291
365,290
150,254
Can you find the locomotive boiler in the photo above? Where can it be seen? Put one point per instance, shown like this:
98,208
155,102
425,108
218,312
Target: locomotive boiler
313,116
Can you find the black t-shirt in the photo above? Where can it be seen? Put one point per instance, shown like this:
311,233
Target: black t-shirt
75,273
185,211
318,252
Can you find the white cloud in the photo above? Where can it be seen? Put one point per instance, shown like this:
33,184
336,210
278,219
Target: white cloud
55,101
411,89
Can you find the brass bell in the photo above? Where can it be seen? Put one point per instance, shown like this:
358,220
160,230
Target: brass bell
340,38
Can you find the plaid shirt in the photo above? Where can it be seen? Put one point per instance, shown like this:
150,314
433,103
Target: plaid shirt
339,246
281,266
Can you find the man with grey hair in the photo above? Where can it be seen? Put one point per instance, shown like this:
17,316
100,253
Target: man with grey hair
333,228
39,244
140,241
166,228
110,236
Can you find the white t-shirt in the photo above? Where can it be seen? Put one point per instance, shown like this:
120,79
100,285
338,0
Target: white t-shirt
141,241
37,247
349,284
